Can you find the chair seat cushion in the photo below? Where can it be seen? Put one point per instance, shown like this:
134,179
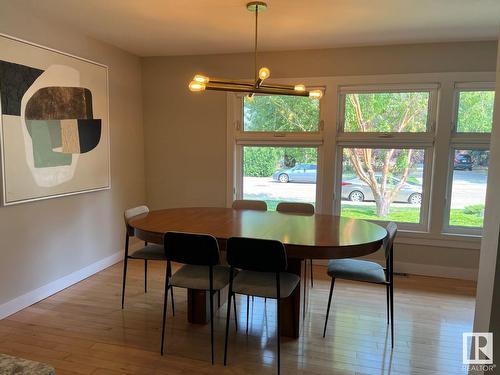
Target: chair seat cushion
197,277
150,252
356,269
263,284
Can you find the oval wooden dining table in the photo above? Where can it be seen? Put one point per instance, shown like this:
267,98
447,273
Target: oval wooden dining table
304,236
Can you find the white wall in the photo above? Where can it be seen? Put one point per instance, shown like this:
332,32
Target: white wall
44,241
487,317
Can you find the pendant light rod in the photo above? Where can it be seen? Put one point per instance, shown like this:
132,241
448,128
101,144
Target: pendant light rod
256,41
201,82
244,88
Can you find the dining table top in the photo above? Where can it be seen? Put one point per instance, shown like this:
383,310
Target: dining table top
304,236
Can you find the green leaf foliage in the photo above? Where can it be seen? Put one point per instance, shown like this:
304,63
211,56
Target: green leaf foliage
385,112
475,111
281,114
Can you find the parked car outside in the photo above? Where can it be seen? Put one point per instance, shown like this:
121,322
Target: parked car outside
356,190
299,173
462,162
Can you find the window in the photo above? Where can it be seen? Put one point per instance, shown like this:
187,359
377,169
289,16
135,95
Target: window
280,114
469,158
382,184
277,174
475,111
386,141
379,148
468,188
278,147
388,112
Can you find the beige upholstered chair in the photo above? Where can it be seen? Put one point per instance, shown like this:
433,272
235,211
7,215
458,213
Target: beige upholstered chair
299,208
148,252
201,270
370,272
247,204
263,265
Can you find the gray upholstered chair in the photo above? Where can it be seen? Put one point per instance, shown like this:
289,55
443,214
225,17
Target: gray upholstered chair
370,272
201,270
247,204
262,265
148,252
304,209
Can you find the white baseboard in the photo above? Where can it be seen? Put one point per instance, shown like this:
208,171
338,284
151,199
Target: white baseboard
53,287
436,271
428,270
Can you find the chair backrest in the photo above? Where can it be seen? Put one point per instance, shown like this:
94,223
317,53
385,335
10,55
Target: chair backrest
247,204
295,208
132,212
191,248
392,230
256,254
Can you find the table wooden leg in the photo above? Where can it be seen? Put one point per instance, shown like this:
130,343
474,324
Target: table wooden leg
291,307
199,305
292,312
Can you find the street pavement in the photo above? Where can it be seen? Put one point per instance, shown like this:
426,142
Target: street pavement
469,188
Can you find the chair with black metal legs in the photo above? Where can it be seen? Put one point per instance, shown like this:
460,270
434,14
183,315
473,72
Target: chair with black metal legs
201,270
255,205
148,252
262,265
304,209
367,271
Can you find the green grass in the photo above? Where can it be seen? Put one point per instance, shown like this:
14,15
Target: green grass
469,216
398,214
460,218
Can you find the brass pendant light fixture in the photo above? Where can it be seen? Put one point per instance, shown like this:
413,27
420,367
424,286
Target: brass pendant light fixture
201,82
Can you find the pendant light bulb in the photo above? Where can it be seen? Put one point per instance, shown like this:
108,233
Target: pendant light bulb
201,79
264,73
299,88
196,86
316,94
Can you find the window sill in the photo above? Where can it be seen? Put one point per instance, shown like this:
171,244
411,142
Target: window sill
458,241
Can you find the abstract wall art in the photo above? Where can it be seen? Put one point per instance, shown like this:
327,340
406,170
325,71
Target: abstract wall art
54,123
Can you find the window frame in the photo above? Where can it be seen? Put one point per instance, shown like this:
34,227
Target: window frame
389,140
330,138
242,138
426,137
463,141
255,134
423,225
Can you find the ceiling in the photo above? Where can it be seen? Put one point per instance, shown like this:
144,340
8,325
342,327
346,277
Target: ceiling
185,27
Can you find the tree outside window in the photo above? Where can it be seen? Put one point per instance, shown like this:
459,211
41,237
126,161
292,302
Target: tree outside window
385,171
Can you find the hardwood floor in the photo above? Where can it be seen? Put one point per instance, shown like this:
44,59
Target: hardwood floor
83,330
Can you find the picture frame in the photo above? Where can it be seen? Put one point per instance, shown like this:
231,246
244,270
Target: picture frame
54,123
